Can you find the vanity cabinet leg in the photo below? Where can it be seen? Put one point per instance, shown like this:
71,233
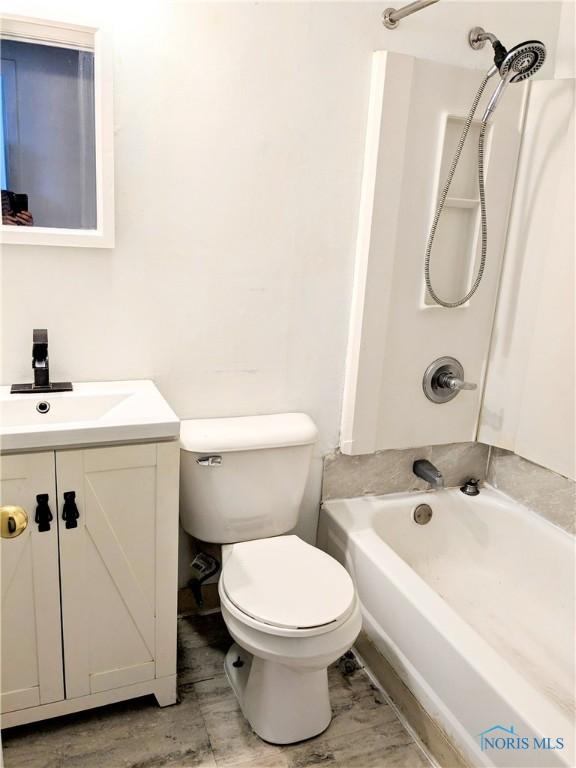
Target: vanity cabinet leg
166,692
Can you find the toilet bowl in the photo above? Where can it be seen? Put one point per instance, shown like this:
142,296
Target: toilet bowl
290,608
292,611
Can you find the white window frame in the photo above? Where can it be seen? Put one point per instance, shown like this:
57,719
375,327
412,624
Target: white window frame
87,38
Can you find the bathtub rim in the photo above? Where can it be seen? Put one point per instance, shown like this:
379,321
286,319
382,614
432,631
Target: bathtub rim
486,490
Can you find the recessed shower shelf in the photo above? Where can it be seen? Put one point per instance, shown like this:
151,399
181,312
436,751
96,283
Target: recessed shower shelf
456,242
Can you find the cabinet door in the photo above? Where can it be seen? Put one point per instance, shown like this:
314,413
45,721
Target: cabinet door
31,631
108,566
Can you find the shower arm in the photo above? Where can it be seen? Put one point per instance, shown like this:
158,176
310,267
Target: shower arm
391,16
478,37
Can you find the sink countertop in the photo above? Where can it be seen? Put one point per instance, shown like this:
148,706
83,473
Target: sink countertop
93,413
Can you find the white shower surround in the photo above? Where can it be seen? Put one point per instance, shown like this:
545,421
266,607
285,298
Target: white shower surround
413,119
537,293
479,637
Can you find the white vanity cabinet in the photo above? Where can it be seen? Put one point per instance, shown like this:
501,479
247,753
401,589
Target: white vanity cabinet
89,606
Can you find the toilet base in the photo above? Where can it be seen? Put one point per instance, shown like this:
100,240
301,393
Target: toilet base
283,705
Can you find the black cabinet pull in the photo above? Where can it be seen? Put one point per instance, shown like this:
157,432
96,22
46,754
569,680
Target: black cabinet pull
70,511
43,513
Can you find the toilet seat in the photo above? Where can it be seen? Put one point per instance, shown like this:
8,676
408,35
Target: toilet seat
282,585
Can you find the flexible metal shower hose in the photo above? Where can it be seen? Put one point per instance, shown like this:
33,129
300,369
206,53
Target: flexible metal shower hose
442,201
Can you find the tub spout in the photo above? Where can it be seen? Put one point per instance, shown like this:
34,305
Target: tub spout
427,471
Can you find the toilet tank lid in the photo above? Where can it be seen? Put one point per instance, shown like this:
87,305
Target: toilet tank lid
247,433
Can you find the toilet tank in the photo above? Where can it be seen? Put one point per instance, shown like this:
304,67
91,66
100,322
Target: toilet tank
243,478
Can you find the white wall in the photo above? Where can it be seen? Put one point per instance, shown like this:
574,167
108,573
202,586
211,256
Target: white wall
565,48
239,144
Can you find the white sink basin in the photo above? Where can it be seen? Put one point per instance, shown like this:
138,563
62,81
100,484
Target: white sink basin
98,412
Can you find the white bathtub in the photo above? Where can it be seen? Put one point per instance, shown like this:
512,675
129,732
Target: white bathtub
475,611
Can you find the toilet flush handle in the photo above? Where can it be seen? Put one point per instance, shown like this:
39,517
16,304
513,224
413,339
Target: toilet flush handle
209,461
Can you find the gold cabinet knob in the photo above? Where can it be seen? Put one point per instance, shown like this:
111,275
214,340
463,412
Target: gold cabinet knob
13,520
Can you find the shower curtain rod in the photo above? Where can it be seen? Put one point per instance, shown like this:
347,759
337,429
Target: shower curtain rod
391,16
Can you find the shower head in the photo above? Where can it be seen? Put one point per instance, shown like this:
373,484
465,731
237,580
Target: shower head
523,60
515,65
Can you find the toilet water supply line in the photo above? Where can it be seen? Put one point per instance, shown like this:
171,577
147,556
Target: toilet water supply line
444,195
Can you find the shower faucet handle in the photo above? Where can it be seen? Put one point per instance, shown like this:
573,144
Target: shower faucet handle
455,383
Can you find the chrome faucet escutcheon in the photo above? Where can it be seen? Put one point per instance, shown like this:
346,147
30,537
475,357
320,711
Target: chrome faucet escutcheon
444,379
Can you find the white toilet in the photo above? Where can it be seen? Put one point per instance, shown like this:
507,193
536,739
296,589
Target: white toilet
291,608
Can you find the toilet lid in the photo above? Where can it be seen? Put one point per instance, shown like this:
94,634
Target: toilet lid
287,583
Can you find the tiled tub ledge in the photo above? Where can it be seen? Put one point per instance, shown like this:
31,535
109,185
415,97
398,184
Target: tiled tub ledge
545,492
390,471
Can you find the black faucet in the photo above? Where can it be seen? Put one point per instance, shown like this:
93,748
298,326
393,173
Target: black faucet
40,368
40,358
427,471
